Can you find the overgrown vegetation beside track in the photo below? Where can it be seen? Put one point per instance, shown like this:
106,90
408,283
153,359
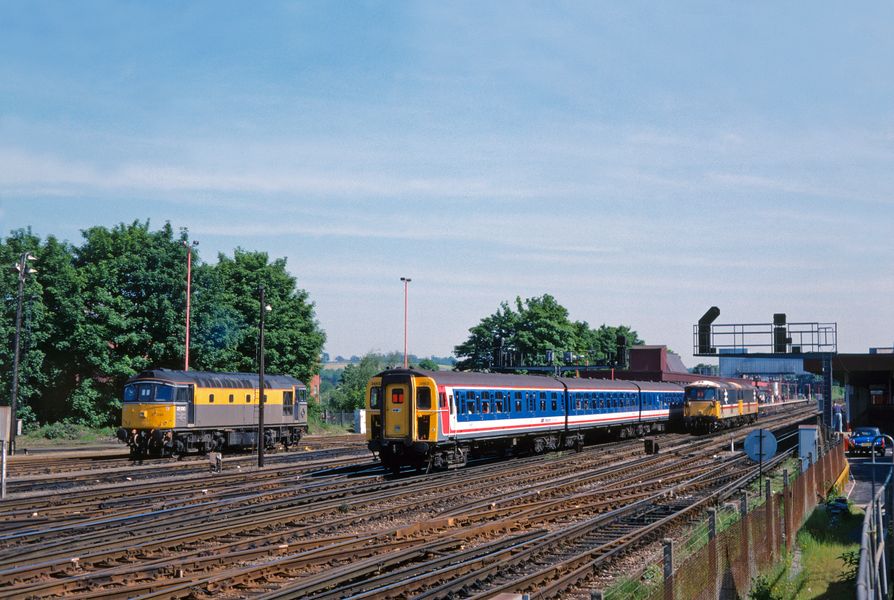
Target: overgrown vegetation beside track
824,564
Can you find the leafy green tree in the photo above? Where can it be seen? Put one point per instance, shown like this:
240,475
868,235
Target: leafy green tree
538,325
429,365
32,341
351,390
133,300
477,352
293,338
542,325
97,313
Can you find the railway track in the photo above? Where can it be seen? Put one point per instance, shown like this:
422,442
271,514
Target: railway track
303,530
28,465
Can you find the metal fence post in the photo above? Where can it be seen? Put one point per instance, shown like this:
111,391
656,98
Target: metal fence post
883,564
668,569
786,511
746,532
712,550
810,501
770,520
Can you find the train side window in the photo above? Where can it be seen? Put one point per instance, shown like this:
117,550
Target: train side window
374,397
499,395
498,406
423,398
211,398
542,401
518,405
232,398
248,398
554,401
530,398
485,407
442,399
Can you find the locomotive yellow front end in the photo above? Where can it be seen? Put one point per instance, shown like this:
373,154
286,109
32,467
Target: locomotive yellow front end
153,407
701,406
402,418
148,416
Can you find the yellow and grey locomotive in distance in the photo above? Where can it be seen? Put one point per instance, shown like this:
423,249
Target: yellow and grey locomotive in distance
166,413
712,405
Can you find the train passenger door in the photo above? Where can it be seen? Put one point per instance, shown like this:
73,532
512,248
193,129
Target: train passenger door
397,410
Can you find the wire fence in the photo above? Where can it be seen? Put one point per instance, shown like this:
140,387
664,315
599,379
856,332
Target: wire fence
343,419
720,557
875,545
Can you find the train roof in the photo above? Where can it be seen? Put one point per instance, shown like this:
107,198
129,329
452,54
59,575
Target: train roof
508,380
207,379
722,383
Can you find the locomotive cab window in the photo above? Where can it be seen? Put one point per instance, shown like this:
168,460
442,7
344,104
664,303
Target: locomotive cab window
374,397
423,398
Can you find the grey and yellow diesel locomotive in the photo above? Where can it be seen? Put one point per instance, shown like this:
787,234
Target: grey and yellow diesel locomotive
167,413
713,405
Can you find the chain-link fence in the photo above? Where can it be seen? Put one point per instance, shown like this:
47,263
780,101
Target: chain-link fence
873,575
343,419
739,540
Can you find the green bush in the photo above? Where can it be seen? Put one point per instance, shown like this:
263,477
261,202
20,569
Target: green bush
59,431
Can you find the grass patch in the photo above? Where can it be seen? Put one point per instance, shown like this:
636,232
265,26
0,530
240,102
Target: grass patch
828,547
639,588
67,435
315,426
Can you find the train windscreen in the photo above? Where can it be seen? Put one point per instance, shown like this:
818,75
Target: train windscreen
701,393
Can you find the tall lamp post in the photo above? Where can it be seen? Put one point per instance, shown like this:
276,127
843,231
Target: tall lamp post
265,308
406,281
23,270
189,249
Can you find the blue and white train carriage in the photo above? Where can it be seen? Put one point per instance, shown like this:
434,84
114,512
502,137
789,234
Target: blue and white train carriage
438,419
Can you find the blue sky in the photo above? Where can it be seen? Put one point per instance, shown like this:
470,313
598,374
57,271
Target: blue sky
639,162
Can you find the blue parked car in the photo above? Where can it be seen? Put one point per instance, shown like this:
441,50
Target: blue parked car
860,441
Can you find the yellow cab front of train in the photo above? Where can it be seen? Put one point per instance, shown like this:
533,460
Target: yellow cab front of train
148,405
402,417
701,404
